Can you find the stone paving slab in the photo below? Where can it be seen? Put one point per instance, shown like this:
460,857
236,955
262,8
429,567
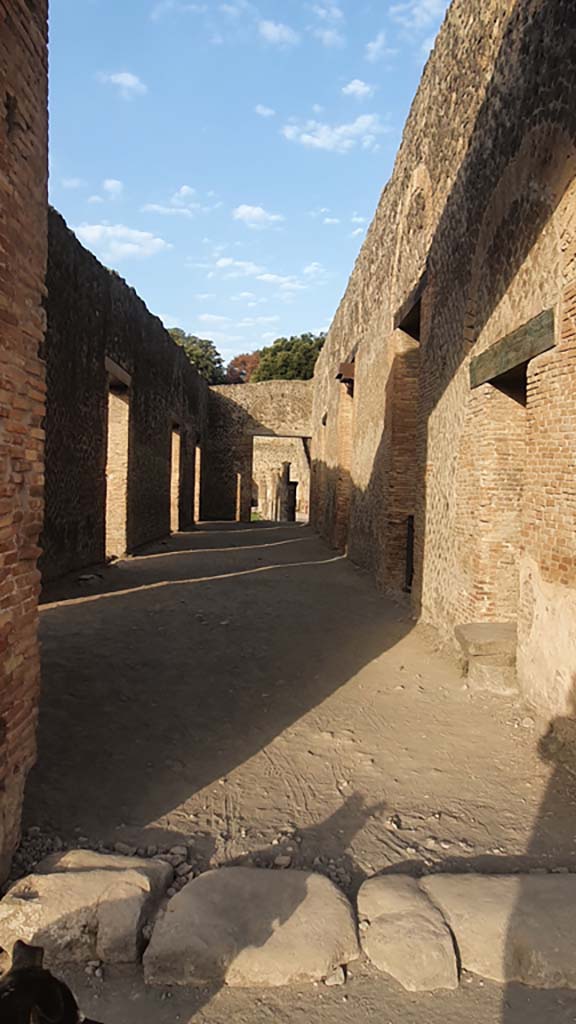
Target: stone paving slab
252,927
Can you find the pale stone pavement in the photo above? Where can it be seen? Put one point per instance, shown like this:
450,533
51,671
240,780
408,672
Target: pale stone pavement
245,687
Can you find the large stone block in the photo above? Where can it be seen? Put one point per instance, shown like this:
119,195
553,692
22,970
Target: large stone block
252,927
83,906
405,936
517,928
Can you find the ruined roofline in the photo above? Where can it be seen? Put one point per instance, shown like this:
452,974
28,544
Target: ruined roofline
452,56
55,216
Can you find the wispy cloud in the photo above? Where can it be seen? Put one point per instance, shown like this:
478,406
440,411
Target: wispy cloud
95,199
230,269
183,203
331,38
378,48
213,318
256,216
113,187
264,111
358,89
314,270
357,219
116,242
328,11
165,7
356,232
418,14
337,138
129,86
72,183
278,34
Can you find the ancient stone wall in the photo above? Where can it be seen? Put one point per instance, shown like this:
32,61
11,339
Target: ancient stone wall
237,414
119,393
472,240
23,177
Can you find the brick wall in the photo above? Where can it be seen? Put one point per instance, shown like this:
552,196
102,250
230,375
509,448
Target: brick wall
23,176
93,316
480,214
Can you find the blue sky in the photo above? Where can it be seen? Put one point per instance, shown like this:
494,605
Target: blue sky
227,157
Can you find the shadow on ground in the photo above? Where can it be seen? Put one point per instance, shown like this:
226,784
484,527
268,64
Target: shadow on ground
164,672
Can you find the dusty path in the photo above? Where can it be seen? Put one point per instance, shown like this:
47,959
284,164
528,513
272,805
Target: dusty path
246,687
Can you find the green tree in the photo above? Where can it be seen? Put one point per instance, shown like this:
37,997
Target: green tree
289,358
203,355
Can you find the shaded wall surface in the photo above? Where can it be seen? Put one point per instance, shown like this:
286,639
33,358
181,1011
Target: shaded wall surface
99,327
238,414
474,238
23,177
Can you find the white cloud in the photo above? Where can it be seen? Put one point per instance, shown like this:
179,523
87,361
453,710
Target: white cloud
285,283
204,296
113,187
356,232
243,297
331,220
263,111
116,242
356,219
213,318
358,89
377,48
165,7
238,268
72,183
128,85
331,38
338,138
258,321
183,203
276,33
328,11
418,14
183,195
314,270
95,199
256,216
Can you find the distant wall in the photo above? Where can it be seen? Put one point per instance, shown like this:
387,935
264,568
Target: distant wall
95,321
23,202
271,455
237,414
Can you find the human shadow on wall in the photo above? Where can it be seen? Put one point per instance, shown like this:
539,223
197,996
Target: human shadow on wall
165,689
556,817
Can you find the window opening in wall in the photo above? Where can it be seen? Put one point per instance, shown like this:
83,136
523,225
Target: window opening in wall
117,468
197,482
175,478
411,322
409,316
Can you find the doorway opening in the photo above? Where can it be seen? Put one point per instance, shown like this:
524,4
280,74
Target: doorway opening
175,479
117,462
197,483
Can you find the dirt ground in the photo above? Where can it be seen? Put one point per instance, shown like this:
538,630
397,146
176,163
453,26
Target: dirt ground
245,688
